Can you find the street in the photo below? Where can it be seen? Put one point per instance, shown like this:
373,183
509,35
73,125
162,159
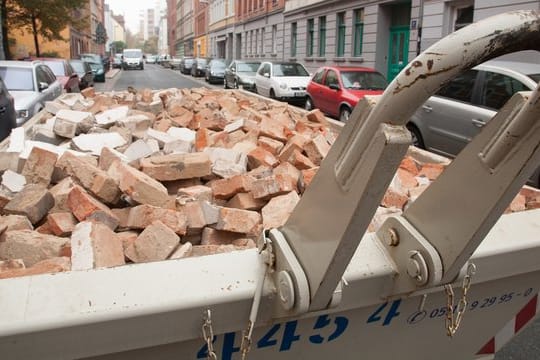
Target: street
153,77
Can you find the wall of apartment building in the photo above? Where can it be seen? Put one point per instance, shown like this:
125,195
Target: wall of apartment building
221,28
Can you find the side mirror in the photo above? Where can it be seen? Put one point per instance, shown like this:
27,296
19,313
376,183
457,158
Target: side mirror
43,86
334,87
267,75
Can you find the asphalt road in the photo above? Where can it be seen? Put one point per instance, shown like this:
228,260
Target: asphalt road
152,77
525,346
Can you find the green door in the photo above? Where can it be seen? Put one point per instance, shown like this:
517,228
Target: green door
399,49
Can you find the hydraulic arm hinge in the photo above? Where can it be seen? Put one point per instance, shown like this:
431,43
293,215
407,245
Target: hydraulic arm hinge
332,216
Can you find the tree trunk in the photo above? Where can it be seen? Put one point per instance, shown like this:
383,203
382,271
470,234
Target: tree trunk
5,40
35,33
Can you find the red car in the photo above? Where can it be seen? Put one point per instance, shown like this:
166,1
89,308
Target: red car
335,90
64,73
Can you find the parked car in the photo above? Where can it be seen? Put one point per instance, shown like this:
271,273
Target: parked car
174,63
117,61
241,74
151,59
282,81
132,59
199,67
83,69
64,73
186,64
448,121
31,83
335,90
96,63
8,119
215,71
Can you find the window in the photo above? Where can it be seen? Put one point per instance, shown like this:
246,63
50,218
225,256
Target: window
340,50
358,31
310,36
256,41
322,36
317,78
331,78
461,87
293,39
498,89
262,41
274,37
464,17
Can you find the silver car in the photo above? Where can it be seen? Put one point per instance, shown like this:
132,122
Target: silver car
31,83
448,121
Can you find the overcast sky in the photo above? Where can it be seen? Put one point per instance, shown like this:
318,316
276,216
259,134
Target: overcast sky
131,10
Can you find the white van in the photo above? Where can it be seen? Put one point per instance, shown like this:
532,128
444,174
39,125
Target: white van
132,59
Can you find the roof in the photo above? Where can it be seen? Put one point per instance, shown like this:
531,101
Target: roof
349,68
20,64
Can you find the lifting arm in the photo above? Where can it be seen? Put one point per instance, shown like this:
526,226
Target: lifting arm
330,219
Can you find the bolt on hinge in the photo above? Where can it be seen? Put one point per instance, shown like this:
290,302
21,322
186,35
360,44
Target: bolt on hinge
417,267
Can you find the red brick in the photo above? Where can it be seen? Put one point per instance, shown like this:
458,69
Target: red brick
218,237
287,170
39,166
60,194
245,201
61,223
261,157
122,214
183,119
183,251
380,217
30,246
155,243
229,105
394,197
15,222
6,265
272,146
204,250
317,149
227,188
278,210
406,179
236,220
83,205
196,217
271,186
244,243
216,122
317,116
177,166
195,193
269,128
34,202
89,92
140,187
144,215
409,164
517,204
295,143
431,171
300,161
308,175
127,238
203,139
95,245
48,266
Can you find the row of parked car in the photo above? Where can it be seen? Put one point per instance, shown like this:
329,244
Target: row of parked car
26,85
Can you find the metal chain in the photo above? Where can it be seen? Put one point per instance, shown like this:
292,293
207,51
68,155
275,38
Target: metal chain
452,322
208,334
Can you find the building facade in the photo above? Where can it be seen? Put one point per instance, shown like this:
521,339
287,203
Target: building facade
150,23
171,27
221,22
163,44
184,28
200,41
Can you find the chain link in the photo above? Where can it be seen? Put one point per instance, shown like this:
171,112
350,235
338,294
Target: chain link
208,334
452,322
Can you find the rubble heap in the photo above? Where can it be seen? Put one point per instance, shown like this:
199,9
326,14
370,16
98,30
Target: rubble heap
132,177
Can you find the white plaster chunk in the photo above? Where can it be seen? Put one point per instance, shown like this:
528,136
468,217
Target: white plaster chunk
82,254
138,150
74,116
182,134
94,143
111,116
17,140
12,181
160,136
238,124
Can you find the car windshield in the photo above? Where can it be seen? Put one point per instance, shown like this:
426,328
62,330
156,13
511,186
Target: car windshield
91,58
201,61
362,80
132,54
289,70
78,66
17,79
247,67
57,67
218,65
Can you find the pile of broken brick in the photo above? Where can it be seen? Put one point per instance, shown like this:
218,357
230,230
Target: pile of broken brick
114,178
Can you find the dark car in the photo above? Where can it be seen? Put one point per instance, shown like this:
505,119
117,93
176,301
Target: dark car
64,73
7,111
241,74
83,69
96,63
215,71
199,67
186,64
335,90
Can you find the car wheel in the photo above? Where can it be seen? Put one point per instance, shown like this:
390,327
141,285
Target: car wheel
272,94
255,89
235,85
344,114
225,83
417,139
309,104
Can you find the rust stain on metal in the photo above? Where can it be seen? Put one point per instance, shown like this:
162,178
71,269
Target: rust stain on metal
430,64
399,87
414,64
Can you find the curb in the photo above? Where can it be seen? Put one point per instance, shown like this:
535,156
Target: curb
112,73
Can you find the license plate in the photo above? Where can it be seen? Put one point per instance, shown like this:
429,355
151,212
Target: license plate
300,93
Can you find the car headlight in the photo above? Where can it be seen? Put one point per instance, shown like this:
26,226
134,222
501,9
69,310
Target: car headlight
22,113
283,86
212,73
100,71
